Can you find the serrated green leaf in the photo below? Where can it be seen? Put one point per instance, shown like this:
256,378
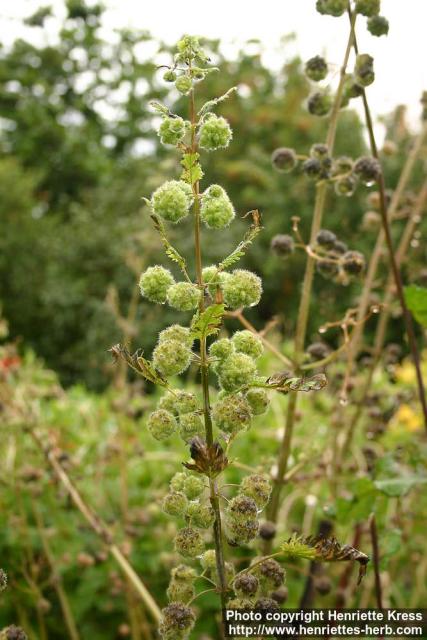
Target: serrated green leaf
397,487
192,170
211,104
160,108
207,323
240,250
170,250
416,300
139,364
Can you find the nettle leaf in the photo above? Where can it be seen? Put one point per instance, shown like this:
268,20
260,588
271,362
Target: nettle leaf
207,323
285,382
416,299
400,486
138,363
295,547
170,250
160,108
240,250
192,170
211,104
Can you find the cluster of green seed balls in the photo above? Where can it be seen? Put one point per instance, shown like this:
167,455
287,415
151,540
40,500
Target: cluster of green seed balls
241,516
260,587
213,132
343,172
234,362
377,25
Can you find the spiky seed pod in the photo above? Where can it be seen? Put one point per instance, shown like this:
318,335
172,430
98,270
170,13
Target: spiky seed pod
267,530
180,591
13,633
319,151
169,76
270,574
175,503
171,357
179,402
193,487
346,186
176,332
318,351
323,585
183,296
371,221
280,595
184,85
216,209
282,244
177,481
177,622
172,130
258,488
183,573
319,103
367,169
364,69
215,133
240,533
172,200
266,604
208,560
246,584
201,516
221,349
326,239
242,508
368,8
155,282
242,289
316,68
236,371
353,262
284,159
189,543
190,425
232,414
248,342
327,269
312,169
3,580
334,8
258,401
161,424
378,26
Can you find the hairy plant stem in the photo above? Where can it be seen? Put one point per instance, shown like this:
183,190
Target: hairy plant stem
393,263
303,311
204,373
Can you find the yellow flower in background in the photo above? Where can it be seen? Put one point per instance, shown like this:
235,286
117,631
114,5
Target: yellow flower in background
405,373
406,419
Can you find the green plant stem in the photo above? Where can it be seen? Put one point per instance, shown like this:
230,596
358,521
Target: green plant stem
301,328
393,263
204,372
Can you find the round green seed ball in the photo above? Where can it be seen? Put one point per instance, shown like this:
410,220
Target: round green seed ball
176,332
171,357
319,103
258,401
190,425
184,85
172,200
247,342
368,8
169,76
216,209
176,622
201,516
236,371
316,68
155,282
177,481
378,26
232,414
180,591
215,133
183,296
242,289
241,533
172,130
161,424
193,487
189,543
175,504
258,488
220,350
213,279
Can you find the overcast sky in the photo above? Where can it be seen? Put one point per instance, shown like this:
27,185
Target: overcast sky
400,58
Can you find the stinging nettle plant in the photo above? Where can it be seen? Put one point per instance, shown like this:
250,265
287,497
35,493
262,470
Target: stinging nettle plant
196,495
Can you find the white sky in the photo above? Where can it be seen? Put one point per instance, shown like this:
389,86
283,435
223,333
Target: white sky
400,58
